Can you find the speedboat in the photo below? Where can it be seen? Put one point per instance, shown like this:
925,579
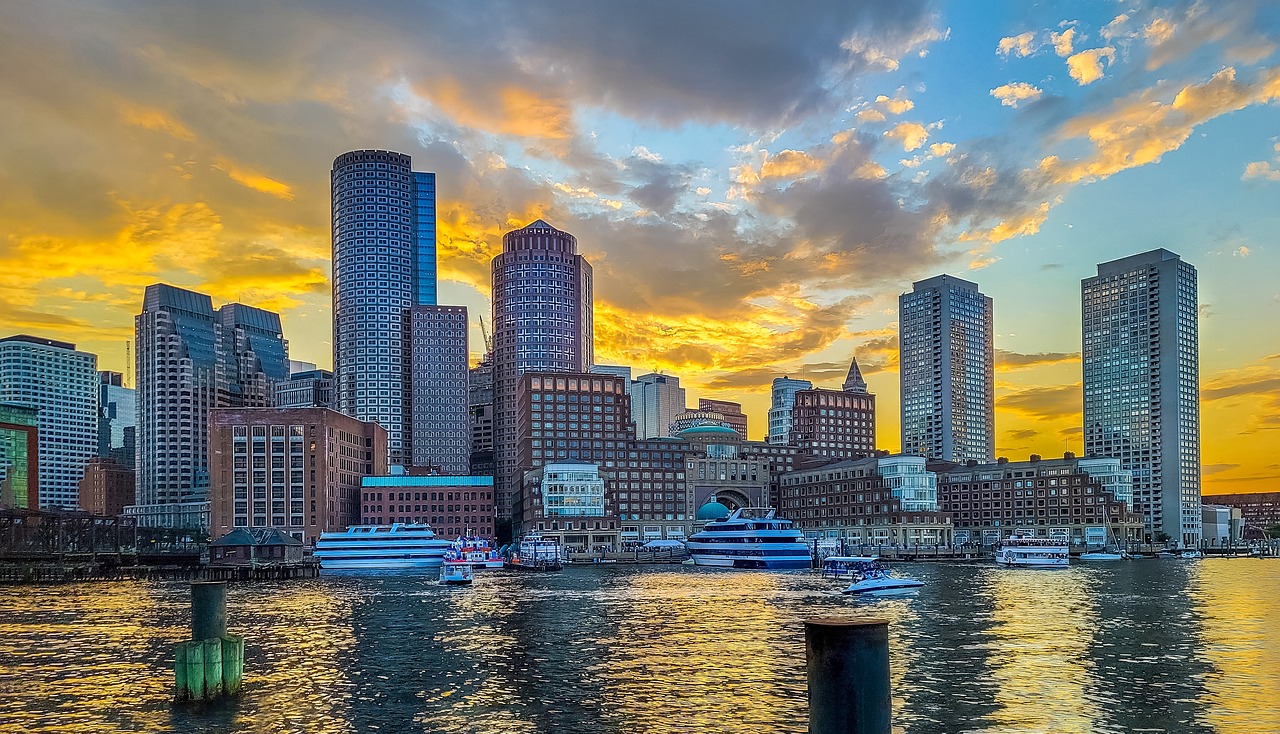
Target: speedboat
873,579
1191,554
456,573
751,537
1104,556
1032,552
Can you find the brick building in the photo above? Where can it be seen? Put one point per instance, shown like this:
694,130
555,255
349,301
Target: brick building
451,505
107,486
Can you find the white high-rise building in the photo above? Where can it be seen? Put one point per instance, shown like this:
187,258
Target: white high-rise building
656,400
783,399
1140,360
63,384
947,362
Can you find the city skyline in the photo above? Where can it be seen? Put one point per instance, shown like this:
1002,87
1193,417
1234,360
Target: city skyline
832,181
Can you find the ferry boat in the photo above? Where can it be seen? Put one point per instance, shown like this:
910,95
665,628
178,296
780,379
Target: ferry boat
1029,552
381,547
536,554
456,573
751,537
874,579
475,551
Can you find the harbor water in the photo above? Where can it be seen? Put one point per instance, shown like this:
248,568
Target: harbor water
1151,645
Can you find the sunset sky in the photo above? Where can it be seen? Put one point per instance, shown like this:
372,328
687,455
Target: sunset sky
753,183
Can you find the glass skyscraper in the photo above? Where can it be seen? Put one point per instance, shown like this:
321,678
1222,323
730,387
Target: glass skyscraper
384,264
946,357
1140,360
780,404
542,321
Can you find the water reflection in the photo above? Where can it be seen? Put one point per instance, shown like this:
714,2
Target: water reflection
1159,645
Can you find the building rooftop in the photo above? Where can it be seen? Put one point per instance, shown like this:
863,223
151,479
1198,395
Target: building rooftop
40,341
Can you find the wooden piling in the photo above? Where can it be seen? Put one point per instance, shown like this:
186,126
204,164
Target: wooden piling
848,667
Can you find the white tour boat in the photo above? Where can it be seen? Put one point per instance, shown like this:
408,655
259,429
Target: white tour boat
381,547
537,554
1191,554
845,567
750,538
1032,552
456,573
874,579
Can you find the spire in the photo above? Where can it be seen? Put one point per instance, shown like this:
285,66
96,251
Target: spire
854,382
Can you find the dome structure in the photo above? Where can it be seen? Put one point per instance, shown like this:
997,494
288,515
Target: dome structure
712,432
713,511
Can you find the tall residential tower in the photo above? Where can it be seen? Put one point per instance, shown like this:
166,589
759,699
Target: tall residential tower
542,321
1142,384
946,357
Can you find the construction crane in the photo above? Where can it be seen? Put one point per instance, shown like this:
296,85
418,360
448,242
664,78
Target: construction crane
488,340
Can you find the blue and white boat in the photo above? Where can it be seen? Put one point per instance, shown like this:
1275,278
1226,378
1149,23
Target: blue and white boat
381,547
749,538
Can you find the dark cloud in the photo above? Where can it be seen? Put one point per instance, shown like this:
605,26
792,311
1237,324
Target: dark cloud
1044,403
1022,434
1006,360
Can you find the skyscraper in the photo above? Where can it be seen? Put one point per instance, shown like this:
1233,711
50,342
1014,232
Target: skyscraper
732,412
542,320
656,400
441,428
1140,361
190,360
784,396
836,423
62,384
117,419
946,356
384,263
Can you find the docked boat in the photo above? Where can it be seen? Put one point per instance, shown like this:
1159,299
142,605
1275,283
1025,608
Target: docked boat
1104,556
751,537
874,579
475,551
845,567
381,547
1032,552
537,554
456,573
1191,554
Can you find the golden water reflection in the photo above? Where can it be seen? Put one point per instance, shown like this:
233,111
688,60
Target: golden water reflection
1158,645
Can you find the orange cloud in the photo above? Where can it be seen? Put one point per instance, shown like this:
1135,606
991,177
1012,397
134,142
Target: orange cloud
1086,66
790,164
1011,94
152,119
254,180
912,135
515,111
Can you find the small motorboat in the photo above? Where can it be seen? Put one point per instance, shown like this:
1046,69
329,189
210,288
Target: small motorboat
876,580
1167,554
456,573
1191,554
1104,556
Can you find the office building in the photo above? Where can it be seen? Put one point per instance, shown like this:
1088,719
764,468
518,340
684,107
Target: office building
298,470
885,500
453,506
480,408
312,388
656,400
784,396
1084,501
106,488
946,357
1260,511
616,370
1140,361
384,264
117,419
542,320
19,456
440,421
838,424
730,411
62,383
192,359
700,417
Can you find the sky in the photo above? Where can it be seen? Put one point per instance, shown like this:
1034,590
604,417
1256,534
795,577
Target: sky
754,183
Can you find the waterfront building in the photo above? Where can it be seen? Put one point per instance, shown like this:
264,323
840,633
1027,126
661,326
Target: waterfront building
730,411
1140,361
656,400
542,321
62,383
453,506
191,360
480,408
384,264
441,423
107,487
1081,499
1259,511
117,419
783,397
19,456
1221,525
946,358
719,471
651,490
835,423
879,500
616,370
566,502
295,469
312,388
